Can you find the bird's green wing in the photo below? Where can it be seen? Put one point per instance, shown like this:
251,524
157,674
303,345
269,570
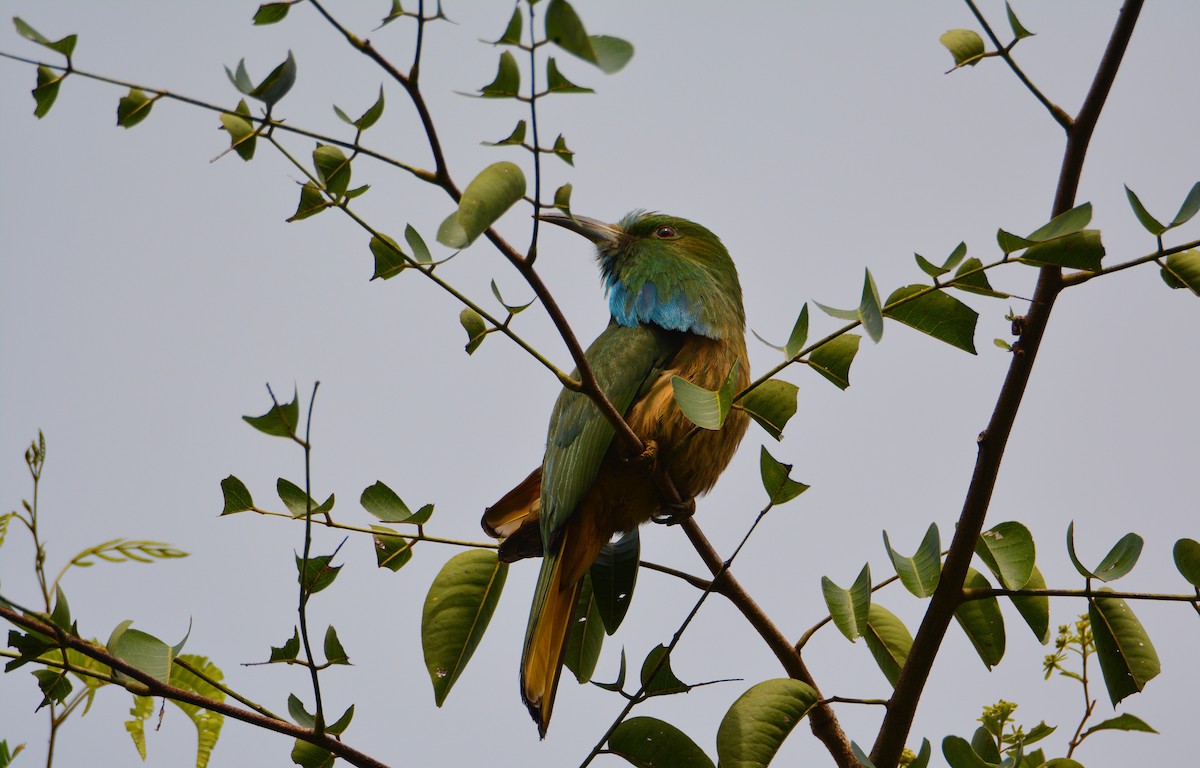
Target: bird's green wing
624,359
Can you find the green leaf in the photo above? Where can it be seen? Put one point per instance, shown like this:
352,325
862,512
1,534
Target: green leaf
315,573
840,314
146,652
888,640
869,312
485,200
772,404
311,756
342,723
1066,223
311,203
133,108
297,502
981,620
920,573
664,681
517,137
280,421
333,169
334,652
940,315
1118,562
54,684
240,78
646,742
415,241
1187,560
475,327
389,259
1035,609
457,610
382,502
799,335
46,91
507,84
972,281
242,136
864,760
65,46
368,118
755,726
1127,657
564,29
1010,243
237,496
614,576
513,309
277,84
1124,722
397,12
585,635
1189,208
833,358
289,650
1151,224
560,149
951,262
512,33
705,408
392,551
298,713
1019,30
1009,553
562,198
780,487
1081,250
960,754
849,608
1182,270
143,708
923,755
271,13
556,82
964,45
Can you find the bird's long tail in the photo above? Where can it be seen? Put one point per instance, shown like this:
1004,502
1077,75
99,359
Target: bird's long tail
550,619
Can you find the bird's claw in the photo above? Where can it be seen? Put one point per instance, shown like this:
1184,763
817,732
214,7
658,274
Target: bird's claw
648,456
674,514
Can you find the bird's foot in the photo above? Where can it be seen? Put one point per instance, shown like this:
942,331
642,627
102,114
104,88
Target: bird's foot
674,514
648,457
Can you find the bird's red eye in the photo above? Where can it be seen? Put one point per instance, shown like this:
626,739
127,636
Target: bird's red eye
665,233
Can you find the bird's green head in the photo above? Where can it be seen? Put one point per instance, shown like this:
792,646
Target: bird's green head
666,271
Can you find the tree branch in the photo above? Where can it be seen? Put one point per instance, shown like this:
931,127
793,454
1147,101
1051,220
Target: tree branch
983,593
155,687
992,441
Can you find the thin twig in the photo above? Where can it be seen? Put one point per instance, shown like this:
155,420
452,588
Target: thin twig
982,593
1078,278
151,686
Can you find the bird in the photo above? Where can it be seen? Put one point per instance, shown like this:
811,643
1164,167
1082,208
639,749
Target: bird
676,310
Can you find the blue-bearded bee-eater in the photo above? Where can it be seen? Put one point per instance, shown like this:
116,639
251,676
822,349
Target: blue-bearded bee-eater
676,308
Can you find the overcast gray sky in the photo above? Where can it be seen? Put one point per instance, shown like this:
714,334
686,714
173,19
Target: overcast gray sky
146,296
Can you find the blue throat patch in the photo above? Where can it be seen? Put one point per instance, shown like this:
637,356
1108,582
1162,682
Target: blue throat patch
676,313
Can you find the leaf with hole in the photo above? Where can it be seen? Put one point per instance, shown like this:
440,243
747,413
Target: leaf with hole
982,621
458,608
833,358
646,742
1008,551
614,576
755,727
1127,657
392,551
585,635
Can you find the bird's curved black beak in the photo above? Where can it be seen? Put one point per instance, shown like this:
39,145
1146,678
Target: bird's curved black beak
603,235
